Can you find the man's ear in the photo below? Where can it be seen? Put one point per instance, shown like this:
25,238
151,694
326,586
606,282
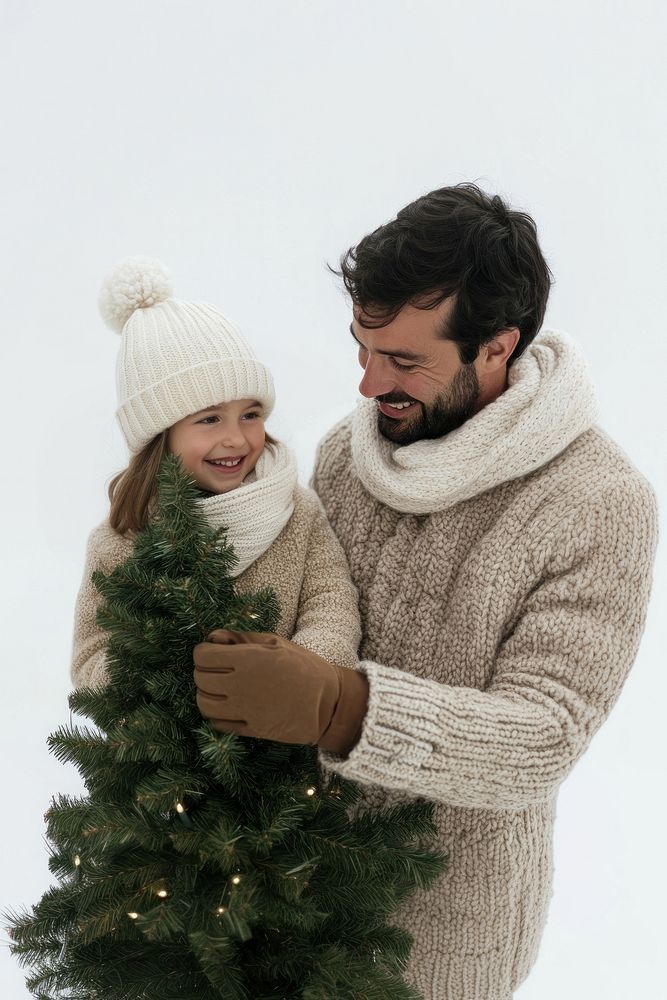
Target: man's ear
498,351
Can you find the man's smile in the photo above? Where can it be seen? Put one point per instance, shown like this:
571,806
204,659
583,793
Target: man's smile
397,410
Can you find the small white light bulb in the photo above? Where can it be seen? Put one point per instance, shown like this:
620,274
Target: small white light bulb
236,880
77,860
133,916
311,791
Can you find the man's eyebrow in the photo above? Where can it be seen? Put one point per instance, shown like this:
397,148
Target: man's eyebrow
214,409
408,355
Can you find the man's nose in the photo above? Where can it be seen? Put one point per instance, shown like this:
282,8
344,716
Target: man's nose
376,380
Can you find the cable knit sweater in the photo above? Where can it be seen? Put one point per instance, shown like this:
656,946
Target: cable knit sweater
498,631
305,565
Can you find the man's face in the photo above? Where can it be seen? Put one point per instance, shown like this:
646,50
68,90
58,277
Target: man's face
407,362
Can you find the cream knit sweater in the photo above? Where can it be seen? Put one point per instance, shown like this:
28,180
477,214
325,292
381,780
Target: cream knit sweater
498,631
305,565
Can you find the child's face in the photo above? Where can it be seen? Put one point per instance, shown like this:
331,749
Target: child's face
228,431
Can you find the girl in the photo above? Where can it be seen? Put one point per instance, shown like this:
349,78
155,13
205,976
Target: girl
188,383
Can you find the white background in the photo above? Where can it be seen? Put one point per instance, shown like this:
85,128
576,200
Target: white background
245,145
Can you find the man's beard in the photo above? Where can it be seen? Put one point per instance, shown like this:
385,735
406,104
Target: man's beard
448,411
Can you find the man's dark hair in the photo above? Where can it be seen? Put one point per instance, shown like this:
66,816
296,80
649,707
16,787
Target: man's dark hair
454,241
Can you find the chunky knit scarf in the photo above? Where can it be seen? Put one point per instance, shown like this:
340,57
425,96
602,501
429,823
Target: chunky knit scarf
549,402
256,511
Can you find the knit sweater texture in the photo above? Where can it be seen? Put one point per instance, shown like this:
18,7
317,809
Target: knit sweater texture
497,635
305,565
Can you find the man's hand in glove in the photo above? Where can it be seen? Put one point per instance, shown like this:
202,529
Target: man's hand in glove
258,684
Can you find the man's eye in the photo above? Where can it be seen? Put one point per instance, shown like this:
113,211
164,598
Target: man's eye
405,368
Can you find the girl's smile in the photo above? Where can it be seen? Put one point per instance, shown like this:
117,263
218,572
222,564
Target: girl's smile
227,466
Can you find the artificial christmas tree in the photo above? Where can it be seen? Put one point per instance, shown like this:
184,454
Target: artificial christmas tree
206,865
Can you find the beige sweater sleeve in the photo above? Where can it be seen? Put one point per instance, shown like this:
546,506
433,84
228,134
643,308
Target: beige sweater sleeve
105,550
557,675
328,620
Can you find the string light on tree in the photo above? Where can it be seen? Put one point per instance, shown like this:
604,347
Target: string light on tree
182,814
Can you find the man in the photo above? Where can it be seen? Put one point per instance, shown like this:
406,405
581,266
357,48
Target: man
502,546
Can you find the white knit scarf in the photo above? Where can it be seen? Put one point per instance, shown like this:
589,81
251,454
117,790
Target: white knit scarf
256,511
550,400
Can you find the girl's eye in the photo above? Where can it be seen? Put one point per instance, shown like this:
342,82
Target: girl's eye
253,415
403,368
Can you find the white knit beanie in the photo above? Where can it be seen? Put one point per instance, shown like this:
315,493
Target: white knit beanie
176,357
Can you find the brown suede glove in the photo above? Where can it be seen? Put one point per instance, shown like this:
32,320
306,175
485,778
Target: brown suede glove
258,684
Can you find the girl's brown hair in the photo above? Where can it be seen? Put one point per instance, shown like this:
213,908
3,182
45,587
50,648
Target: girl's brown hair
133,492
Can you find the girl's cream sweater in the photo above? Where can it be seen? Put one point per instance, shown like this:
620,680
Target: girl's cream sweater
305,565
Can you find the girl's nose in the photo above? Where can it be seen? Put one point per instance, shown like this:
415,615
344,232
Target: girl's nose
231,434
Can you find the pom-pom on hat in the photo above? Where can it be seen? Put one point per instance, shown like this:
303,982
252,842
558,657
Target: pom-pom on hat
176,357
